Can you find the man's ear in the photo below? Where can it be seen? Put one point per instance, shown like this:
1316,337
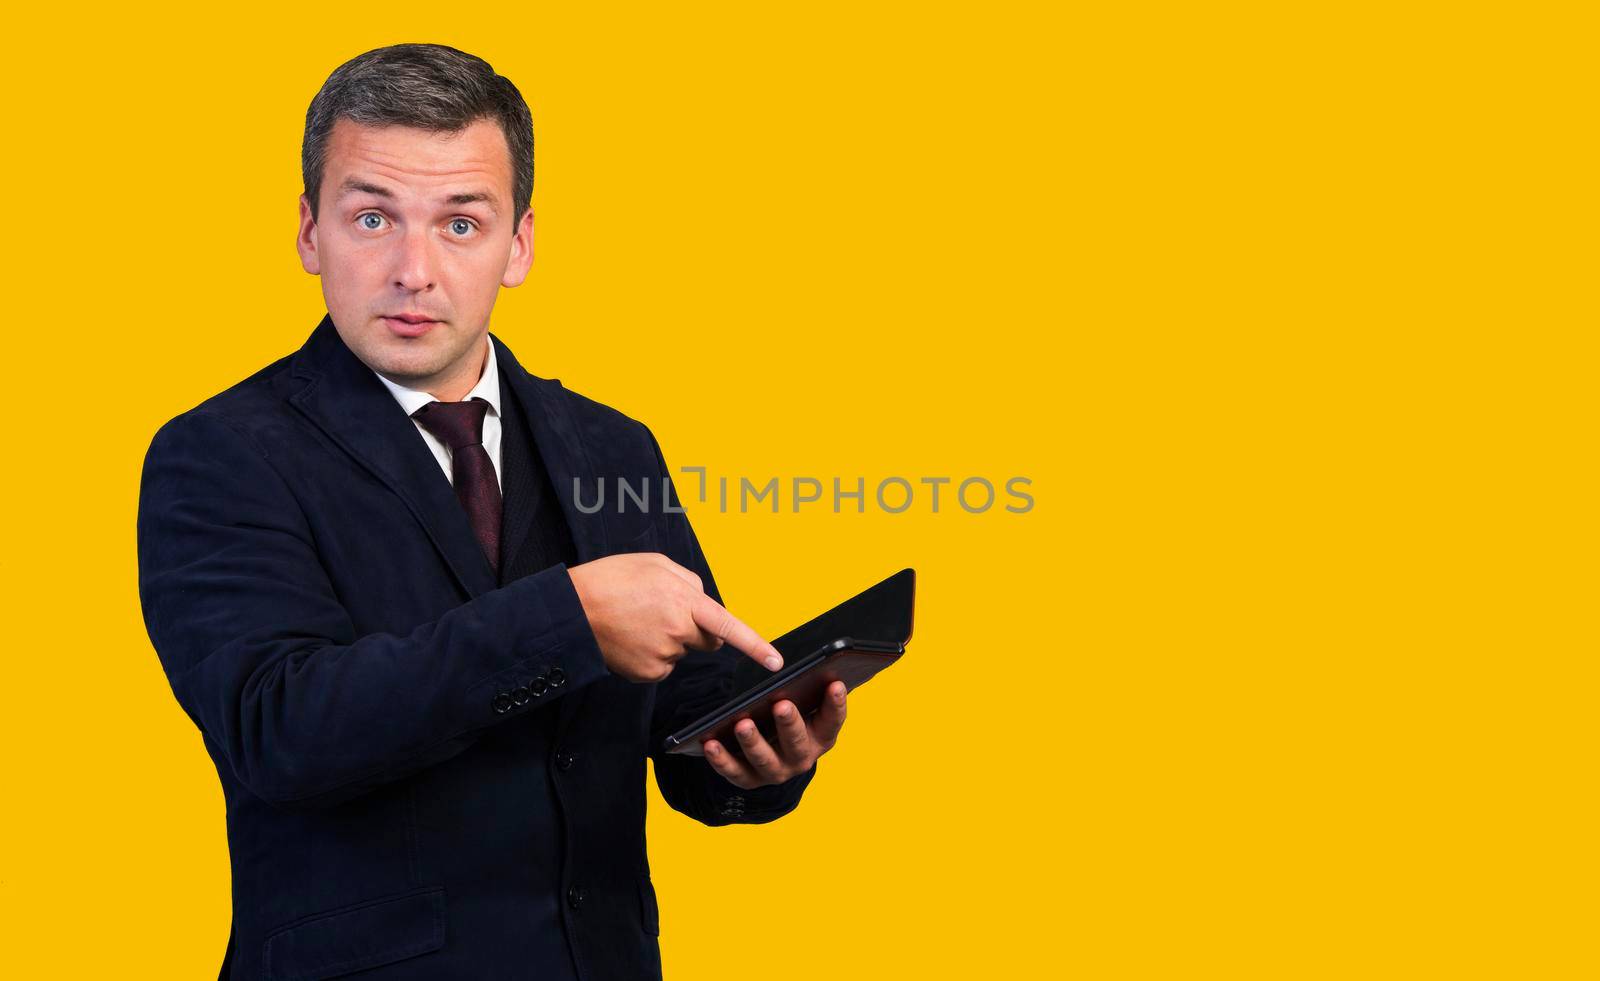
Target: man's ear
521,256
306,241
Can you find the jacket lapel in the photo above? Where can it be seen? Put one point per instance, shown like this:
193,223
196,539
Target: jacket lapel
520,489
555,436
345,399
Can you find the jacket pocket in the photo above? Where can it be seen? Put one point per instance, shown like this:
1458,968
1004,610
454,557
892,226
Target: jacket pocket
649,915
351,938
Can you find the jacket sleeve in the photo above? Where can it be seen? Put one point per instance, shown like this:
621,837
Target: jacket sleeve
266,661
699,683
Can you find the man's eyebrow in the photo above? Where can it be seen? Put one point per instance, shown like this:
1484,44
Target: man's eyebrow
352,184
472,197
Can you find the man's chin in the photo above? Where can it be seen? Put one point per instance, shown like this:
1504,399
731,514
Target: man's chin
405,361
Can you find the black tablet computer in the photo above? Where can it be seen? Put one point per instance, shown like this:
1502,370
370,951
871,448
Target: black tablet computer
850,643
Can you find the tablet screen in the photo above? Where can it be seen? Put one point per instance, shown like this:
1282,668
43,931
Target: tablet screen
881,613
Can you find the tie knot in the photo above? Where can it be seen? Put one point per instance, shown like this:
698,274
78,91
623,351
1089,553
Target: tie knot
456,424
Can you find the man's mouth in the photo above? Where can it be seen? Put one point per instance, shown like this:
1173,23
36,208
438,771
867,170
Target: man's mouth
409,324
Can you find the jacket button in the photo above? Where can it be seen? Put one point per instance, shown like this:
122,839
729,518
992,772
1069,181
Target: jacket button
520,695
575,897
502,702
563,761
537,685
558,677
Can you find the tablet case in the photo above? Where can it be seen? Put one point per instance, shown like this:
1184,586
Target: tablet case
862,636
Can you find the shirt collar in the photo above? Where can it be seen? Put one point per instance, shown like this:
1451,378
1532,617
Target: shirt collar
488,387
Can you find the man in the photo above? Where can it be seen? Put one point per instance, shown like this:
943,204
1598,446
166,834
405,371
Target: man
428,680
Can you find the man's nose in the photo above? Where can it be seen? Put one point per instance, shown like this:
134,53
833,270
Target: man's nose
415,263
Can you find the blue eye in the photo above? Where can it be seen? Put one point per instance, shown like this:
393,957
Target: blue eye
373,215
461,226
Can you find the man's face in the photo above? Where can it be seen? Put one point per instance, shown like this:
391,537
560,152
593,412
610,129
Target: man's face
415,225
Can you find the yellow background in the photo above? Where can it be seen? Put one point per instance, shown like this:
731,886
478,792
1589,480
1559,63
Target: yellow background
1286,310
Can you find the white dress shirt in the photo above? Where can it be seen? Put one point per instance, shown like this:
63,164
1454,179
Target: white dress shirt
488,389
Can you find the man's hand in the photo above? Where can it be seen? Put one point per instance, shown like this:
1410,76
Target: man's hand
799,743
648,611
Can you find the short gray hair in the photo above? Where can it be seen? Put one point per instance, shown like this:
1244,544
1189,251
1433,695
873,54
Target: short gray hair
429,86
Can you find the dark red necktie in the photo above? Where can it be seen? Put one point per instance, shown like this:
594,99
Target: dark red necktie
459,425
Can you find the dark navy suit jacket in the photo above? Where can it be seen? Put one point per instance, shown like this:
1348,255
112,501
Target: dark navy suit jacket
428,773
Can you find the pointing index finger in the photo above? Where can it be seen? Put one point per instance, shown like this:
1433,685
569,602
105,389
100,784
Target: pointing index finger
712,618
